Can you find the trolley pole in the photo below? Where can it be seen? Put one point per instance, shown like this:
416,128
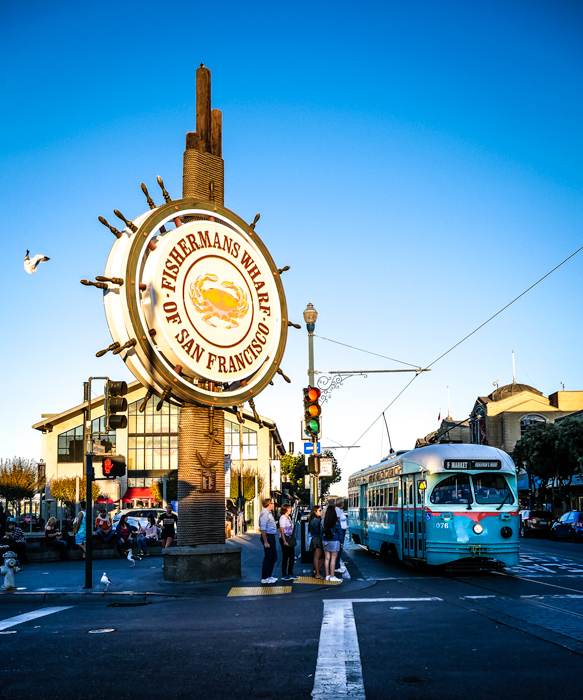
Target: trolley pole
310,316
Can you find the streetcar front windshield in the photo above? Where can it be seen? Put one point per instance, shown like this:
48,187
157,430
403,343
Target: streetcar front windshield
454,489
492,488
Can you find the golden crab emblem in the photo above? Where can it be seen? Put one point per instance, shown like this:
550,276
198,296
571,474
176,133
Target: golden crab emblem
218,303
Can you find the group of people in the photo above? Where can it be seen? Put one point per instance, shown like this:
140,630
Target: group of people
327,535
12,537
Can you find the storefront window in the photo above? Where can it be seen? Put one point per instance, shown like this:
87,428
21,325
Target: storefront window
232,441
70,444
152,437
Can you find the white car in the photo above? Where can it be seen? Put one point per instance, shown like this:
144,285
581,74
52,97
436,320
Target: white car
138,517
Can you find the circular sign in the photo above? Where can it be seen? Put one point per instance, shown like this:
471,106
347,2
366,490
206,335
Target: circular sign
201,311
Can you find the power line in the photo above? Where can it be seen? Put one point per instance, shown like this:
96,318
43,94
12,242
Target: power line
453,347
366,351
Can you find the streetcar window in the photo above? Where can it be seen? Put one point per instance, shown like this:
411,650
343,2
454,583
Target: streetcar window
492,488
454,489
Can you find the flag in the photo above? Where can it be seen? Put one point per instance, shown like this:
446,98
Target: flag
439,416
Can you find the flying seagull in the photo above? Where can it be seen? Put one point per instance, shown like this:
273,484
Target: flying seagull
105,581
30,265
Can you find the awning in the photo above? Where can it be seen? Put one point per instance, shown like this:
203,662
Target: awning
138,493
104,499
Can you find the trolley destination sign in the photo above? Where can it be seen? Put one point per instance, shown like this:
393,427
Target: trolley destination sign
472,464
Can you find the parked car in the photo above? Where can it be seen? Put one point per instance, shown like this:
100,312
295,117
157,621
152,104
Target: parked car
138,516
535,523
568,527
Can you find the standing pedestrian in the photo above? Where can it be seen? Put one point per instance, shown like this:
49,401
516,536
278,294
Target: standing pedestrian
316,540
168,520
268,529
288,542
343,525
331,534
80,528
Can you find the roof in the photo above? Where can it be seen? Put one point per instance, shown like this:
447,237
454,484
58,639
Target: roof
507,390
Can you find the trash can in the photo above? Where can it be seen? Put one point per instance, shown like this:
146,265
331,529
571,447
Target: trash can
307,557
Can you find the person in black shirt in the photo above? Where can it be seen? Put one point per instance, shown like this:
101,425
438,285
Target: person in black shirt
168,520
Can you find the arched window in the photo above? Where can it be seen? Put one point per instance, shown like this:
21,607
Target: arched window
527,421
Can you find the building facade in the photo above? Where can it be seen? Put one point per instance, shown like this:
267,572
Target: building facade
501,418
150,445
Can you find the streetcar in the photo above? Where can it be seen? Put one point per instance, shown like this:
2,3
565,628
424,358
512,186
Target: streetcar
451,505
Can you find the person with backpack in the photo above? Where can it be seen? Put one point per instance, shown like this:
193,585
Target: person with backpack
331,535
288,542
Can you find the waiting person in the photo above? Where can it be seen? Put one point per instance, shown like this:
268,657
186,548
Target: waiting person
316,540
125,540
148,534
268,528
331,533
288,542
80,528
169,521
53,538
104,526
15,540
343,525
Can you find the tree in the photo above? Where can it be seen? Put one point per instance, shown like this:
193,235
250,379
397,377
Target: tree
249,475
295,467
63,489
19,478
157,487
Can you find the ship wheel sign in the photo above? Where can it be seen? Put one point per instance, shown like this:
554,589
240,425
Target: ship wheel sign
194,303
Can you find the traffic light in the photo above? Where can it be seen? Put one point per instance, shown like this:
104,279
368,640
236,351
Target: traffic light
312,410
115,403
113,466
314,464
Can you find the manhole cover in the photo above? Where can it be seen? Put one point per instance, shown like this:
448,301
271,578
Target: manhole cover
127,605
102,631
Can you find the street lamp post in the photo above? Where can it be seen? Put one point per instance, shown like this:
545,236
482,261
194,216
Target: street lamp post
310,316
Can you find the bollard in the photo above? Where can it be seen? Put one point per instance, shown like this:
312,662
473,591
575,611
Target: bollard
9,569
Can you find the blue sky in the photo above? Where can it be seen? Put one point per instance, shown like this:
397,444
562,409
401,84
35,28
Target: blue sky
418,165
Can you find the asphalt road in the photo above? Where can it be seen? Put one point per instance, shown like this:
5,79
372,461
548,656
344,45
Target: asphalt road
392,633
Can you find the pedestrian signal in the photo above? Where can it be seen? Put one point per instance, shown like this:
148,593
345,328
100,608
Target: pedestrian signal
115,403
312,410
113,466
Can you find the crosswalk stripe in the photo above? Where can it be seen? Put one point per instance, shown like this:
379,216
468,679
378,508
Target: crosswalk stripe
26,617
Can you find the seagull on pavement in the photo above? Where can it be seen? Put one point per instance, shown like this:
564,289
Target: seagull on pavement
130,558
30,264
105,581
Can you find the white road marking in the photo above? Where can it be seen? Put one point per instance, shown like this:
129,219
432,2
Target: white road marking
26,617
476,597
338,669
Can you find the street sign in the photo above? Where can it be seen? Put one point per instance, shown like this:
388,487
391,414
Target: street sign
309,448
326,467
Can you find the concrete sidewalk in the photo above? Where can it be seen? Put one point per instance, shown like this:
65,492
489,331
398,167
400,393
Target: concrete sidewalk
49,582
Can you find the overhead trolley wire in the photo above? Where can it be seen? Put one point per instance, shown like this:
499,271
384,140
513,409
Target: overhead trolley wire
367,351
453,347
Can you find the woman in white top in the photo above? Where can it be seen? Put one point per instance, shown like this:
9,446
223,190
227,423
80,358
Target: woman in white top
286,530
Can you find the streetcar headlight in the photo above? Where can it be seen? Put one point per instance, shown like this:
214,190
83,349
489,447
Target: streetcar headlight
478,529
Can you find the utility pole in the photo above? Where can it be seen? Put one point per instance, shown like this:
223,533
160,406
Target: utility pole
310,317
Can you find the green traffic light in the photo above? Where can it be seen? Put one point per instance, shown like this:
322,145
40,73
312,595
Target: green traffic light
313,425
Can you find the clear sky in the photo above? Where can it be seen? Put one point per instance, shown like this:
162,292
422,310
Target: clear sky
418,165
